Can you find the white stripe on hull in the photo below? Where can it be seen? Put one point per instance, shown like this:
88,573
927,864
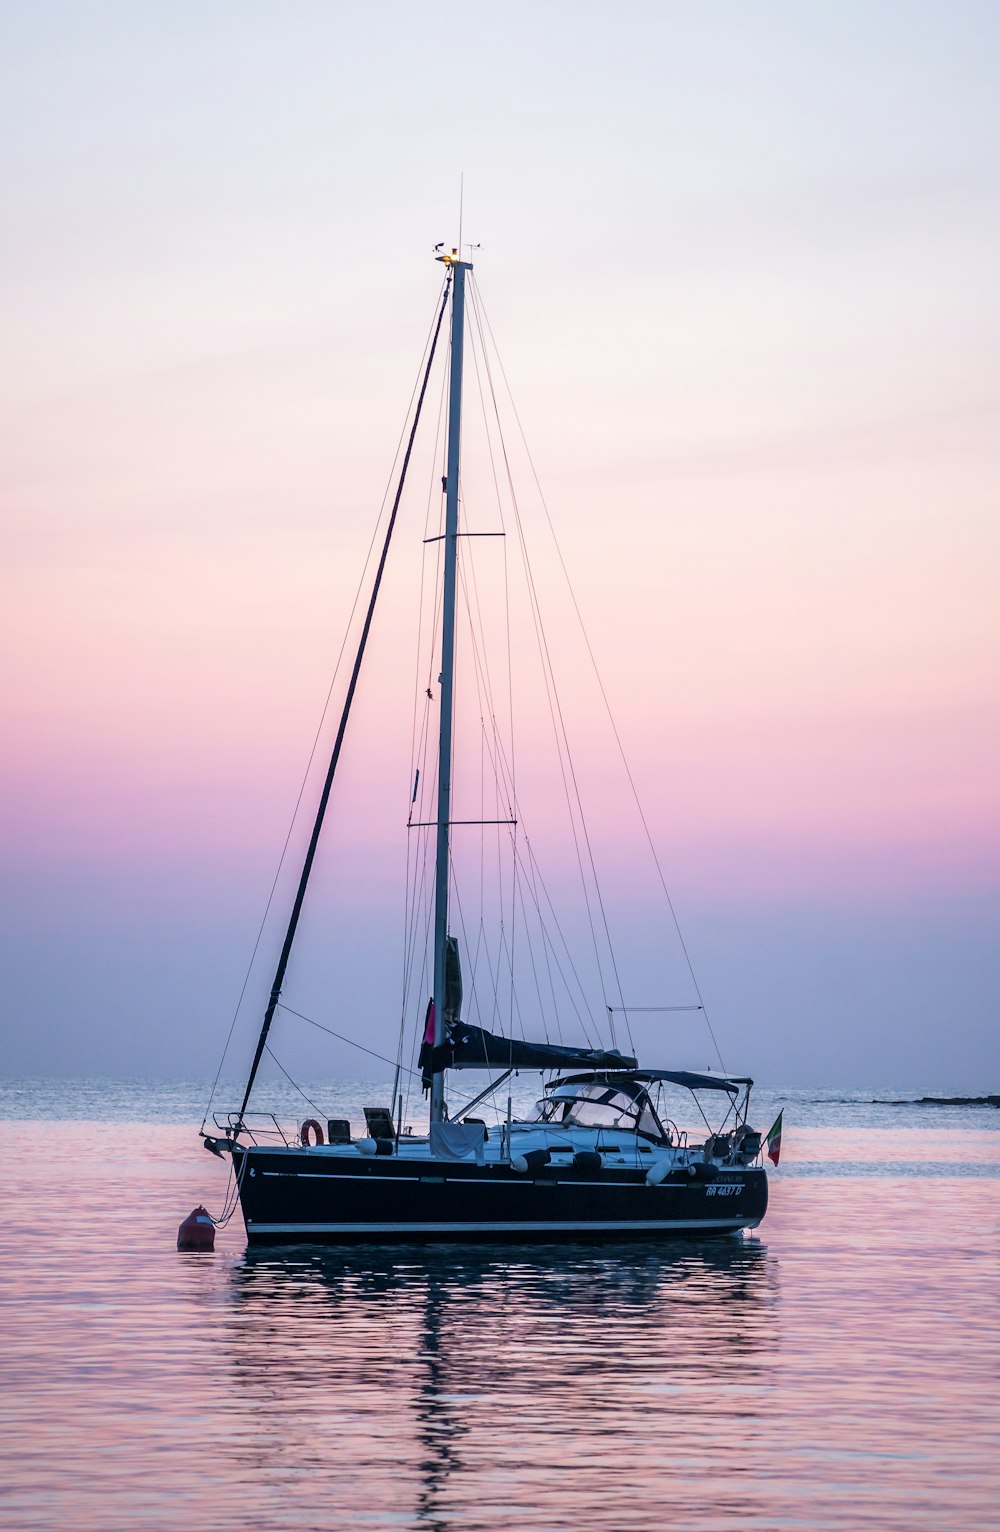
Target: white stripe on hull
478,1182
532,1226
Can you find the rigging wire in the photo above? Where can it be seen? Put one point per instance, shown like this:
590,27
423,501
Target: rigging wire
503,771
480,306
420,738
340,1036
555,705
342,729
492,710
428,344
533,873
417,859
481,673
307,1099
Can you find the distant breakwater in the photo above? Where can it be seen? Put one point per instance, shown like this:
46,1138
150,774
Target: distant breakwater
940,1101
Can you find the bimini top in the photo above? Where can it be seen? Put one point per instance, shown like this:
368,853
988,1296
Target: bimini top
475,1048
671,1076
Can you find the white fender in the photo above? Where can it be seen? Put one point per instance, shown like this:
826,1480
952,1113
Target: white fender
658,1171
366,1146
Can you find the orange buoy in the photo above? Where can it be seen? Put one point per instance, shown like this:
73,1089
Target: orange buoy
197,1232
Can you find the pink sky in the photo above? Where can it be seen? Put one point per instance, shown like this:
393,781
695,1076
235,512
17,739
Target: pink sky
742,276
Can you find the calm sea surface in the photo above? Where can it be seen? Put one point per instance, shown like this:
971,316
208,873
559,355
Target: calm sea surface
838,1370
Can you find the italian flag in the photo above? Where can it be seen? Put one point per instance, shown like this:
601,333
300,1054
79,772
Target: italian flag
774,1141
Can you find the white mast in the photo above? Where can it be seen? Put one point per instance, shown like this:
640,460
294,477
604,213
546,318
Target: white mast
458,269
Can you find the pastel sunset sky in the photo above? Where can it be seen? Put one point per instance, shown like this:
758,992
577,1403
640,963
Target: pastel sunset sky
740,260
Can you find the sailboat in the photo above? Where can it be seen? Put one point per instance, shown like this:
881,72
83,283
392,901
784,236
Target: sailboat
597,1158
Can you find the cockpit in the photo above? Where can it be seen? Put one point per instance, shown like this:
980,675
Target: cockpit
624,1106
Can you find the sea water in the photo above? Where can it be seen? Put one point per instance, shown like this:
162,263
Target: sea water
837,1369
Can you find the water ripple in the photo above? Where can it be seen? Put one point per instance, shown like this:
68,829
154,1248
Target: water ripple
839,1371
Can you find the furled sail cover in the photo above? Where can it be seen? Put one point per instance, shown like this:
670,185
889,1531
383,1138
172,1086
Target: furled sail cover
452,984
475,1048
452,1012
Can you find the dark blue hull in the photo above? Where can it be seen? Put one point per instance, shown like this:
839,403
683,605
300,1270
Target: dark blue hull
292,1196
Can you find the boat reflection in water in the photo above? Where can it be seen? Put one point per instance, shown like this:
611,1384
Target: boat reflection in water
531,1382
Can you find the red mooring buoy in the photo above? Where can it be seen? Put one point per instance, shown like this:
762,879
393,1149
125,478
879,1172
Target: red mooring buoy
197,1232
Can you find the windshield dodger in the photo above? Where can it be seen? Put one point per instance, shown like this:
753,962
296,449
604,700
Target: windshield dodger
599,1105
